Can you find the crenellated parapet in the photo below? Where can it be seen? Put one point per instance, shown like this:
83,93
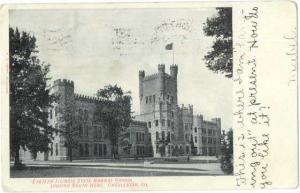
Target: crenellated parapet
86,98
63,82
189,107
151,77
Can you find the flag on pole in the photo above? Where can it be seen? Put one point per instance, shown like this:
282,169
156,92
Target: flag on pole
169,46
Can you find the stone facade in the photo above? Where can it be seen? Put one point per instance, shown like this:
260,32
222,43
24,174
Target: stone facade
163,128
172,128
207,135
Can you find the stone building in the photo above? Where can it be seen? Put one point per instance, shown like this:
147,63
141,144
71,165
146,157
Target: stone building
172,128
163,128
207,135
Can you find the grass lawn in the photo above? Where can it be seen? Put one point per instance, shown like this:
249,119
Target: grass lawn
47,172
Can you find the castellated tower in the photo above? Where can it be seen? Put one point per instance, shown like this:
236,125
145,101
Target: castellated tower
64,89
158,107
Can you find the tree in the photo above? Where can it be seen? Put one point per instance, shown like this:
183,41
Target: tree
219,59
227,152
29,96
69,128
124,140
114,112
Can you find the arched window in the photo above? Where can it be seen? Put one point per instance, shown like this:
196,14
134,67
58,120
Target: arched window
56,128
80,113
86,115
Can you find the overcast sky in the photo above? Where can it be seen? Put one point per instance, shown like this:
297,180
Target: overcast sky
99,47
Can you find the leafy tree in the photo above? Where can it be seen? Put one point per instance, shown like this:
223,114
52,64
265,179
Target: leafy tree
124,140
114,112
227,152
219,59
69,126
29,96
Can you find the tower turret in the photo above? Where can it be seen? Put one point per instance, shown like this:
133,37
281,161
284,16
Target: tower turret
161,68
161,79
141,78
63,88
173,71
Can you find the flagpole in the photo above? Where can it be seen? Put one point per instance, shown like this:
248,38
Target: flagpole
173,53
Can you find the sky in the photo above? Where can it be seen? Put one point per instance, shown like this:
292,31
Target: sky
98,47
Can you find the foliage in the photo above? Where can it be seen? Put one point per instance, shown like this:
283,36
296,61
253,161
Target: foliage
69,126
124,140
114,112
29,96
219,59
227,152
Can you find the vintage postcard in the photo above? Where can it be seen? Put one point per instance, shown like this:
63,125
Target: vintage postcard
149,96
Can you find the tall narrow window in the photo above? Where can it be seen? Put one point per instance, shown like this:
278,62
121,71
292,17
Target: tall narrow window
163,135
100,130
149,124
163,122
104,149
50,114
86,131
95,132
146,100
137,136
157,135
86,149
153,98
56,111
80,130
95,149
100,150
56,128
86,115
56,148
80,150
156,123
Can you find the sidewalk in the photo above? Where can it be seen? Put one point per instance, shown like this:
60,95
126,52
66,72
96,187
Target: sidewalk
203,168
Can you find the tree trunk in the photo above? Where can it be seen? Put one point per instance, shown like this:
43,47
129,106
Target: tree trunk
17,156
70,154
